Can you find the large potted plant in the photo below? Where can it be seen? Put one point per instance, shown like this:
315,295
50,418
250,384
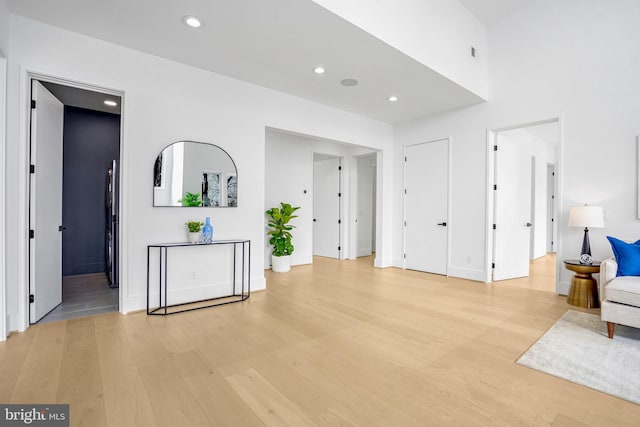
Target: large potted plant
280,232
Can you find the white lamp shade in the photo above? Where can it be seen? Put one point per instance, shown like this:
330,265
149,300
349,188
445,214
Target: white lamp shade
586,216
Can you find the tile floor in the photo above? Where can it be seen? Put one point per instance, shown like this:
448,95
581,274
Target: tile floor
84,295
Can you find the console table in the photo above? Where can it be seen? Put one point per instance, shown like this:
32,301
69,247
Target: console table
241,261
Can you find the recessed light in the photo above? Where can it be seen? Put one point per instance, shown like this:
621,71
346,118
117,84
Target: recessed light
349,82
319,70
110,103
191,21
392,98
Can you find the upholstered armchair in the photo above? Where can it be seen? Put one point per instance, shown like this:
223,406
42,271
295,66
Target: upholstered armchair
619,297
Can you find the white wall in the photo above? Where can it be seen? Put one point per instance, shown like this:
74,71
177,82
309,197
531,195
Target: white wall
4,29
437,33
4,54
289,173
573,59
163,102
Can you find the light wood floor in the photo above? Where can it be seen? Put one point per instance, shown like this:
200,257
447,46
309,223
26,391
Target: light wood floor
334,343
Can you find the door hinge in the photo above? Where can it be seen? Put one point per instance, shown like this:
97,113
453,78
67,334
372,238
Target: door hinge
405,191
405,223
495,187
32,168
493,265
404,256
339,168
339,221
339,248
495,148
32,234
339,194
33,104
31,298
494,226
405,158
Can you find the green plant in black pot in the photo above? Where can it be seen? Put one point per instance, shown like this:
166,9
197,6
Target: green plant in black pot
191,199
280,232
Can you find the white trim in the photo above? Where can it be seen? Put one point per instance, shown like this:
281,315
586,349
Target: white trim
26,75
3,132
492,135
466,273
449,198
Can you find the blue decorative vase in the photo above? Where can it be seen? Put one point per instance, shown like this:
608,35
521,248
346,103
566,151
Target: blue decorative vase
207,231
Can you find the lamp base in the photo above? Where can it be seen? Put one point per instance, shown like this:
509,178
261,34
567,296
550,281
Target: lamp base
585,253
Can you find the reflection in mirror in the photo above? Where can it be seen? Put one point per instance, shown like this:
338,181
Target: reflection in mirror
188,173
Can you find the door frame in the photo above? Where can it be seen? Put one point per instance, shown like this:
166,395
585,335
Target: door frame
449,197
491,140
26,75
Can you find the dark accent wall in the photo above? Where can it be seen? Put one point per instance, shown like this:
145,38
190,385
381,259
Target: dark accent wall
91,141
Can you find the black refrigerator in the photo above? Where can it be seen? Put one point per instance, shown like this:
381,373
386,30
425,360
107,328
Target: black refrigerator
112,226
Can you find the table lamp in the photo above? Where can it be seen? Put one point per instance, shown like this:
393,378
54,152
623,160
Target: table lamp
586,216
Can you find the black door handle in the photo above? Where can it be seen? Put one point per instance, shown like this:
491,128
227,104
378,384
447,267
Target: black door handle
442,224
528,224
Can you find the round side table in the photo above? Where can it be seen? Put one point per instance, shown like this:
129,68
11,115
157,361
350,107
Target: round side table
584,288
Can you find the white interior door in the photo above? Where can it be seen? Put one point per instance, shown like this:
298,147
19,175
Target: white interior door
45,247
326,207
426,206
512,235
365,200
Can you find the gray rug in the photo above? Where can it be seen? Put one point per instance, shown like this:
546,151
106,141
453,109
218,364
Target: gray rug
577,349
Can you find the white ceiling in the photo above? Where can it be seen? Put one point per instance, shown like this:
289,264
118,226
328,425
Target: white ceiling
491,11
274,44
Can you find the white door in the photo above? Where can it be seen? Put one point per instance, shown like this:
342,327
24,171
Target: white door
426,206
326,207
365,199
512,217
45,248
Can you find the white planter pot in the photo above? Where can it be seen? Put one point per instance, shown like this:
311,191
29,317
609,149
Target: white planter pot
280,264
194,237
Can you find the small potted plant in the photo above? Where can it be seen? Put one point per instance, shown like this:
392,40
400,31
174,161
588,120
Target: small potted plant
280,233
191,199
194,228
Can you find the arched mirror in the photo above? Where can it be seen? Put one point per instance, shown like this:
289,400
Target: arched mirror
195,174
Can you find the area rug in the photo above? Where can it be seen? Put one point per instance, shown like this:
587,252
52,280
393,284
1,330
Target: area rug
577,349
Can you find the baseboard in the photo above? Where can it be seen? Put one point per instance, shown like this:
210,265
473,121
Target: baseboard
301,259
382,262
139,302
13,323
466,273
562,288
398,263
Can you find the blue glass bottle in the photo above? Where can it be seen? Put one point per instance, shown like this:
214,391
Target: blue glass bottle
207,231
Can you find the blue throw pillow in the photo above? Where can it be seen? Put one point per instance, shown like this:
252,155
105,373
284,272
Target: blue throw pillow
627,256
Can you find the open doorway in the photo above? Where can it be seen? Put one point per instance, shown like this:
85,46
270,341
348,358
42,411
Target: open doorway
74,202
524,198
289,177
366,171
